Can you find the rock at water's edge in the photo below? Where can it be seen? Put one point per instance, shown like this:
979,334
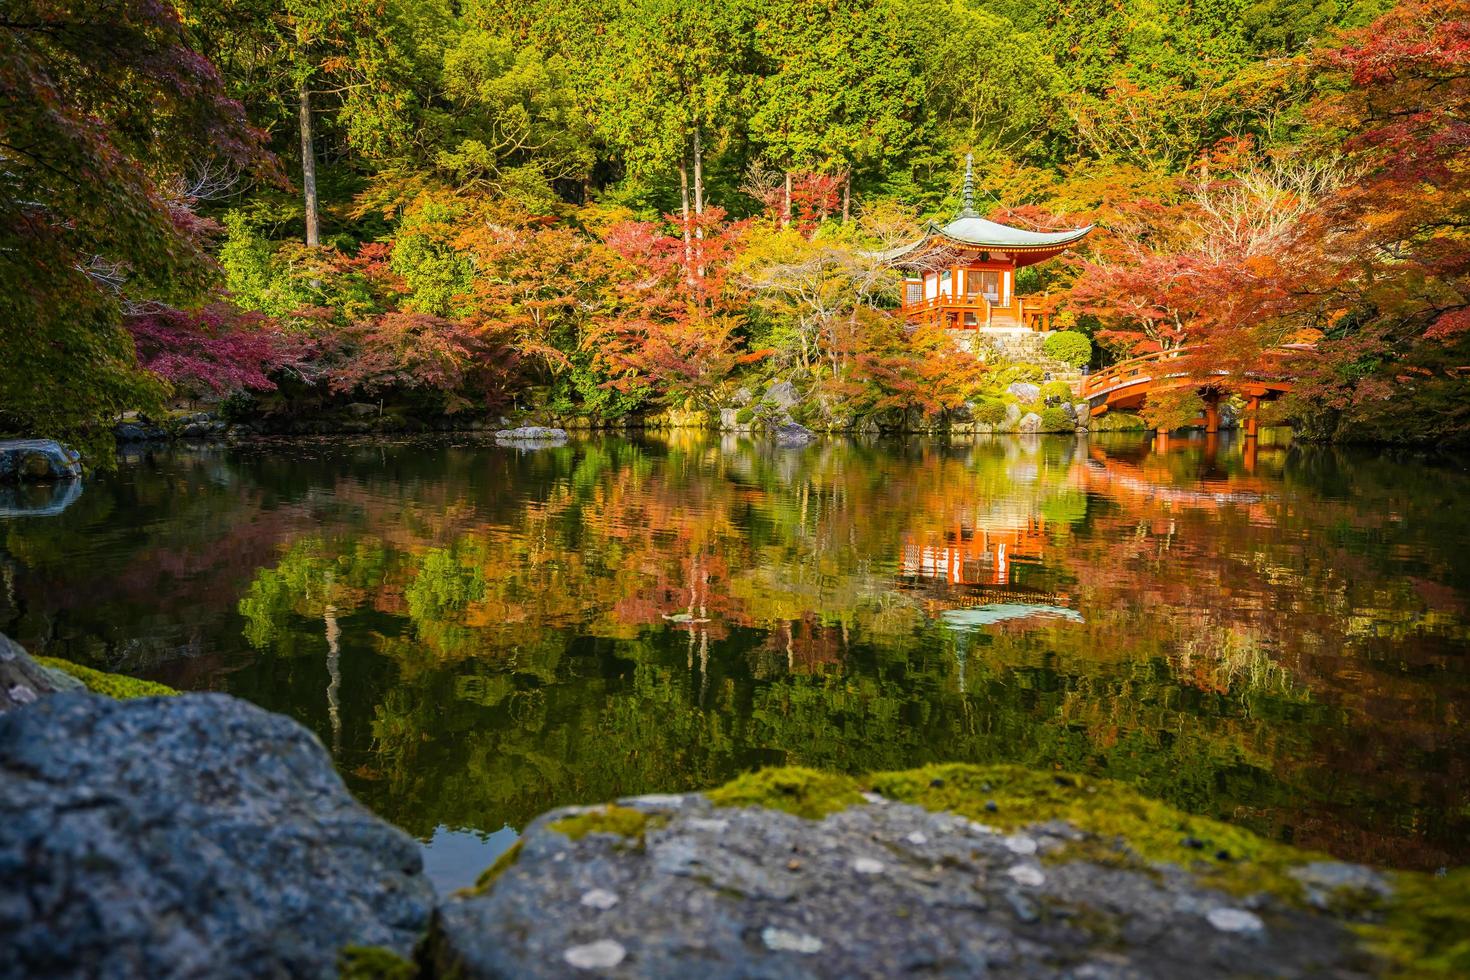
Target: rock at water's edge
793,436
38,460
530,435
188,836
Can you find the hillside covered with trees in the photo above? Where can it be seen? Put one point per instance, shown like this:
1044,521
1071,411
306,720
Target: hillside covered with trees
606,210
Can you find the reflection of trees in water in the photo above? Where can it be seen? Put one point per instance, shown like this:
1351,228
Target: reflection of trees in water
752,611
490,633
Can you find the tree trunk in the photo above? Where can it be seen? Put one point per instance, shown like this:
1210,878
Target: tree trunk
308,169
846,196
699,202
698,173
786,203
684,206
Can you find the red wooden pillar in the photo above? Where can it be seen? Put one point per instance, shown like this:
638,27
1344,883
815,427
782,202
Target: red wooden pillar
1212,413
1252,411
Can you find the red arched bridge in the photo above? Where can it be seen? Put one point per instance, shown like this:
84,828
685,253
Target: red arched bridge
1127,385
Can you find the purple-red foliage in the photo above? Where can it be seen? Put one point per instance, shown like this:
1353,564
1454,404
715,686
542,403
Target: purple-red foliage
214,350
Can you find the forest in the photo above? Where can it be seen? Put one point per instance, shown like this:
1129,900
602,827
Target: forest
602,211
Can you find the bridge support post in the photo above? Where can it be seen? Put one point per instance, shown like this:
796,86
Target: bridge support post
1212,412
1252,413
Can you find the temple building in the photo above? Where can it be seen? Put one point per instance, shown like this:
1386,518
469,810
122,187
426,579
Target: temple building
962,275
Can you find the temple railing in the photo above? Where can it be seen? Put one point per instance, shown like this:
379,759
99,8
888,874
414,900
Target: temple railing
985,312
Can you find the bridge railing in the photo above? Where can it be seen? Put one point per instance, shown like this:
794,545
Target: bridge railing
1145,368
1127,372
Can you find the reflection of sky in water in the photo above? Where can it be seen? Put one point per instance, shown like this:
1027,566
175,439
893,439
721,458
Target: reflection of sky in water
453,859
999,612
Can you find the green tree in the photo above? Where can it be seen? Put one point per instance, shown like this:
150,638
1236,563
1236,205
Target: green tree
672,81
988,84
840,87
107,122
515,126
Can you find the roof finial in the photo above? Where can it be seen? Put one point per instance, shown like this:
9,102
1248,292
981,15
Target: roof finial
968,194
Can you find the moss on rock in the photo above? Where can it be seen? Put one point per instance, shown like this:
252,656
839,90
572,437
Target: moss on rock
1426,929
1406,923
113,685
611,819
1008,797
373,963
1423,929
507,859
804,792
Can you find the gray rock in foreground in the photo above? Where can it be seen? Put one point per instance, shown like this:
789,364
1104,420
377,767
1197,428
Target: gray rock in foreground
879,890
38,460
195,836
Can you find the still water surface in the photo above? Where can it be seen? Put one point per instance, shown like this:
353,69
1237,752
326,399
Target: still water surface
1279,639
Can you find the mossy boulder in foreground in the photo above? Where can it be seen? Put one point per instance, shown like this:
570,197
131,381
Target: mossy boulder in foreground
948,870
189,836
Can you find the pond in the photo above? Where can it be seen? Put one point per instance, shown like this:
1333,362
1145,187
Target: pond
1276,636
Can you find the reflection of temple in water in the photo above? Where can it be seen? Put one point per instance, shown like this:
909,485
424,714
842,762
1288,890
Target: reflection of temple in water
980,565
976,555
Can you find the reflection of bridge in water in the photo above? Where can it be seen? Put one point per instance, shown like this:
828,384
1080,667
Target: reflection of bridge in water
1121,478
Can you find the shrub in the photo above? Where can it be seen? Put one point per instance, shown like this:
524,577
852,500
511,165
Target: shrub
1069,347
1056,420
1001,378
990,412
1056,391
745,415
1117,422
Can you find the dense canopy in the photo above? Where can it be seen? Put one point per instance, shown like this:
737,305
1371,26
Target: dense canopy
601,210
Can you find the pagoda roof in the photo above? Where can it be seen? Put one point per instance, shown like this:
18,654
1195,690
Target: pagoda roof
973,231
970,231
